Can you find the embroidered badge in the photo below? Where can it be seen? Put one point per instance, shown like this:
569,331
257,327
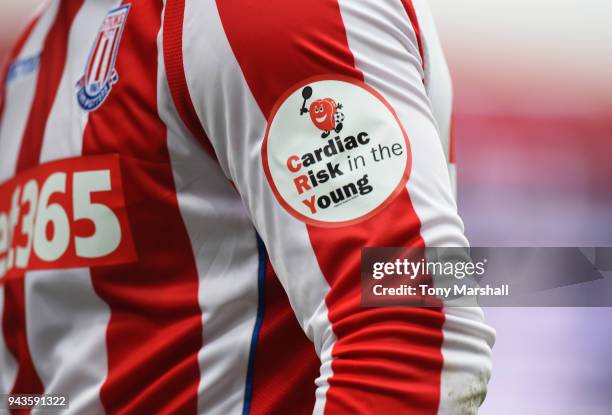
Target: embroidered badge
100,73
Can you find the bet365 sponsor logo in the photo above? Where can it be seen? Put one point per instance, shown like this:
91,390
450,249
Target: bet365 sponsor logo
64,214
343,162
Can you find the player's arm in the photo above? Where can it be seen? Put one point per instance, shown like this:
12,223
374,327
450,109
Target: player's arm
273,85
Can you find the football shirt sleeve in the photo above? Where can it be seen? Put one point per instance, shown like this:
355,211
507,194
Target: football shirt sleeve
317,113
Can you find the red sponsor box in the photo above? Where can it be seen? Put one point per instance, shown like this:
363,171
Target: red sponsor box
64,214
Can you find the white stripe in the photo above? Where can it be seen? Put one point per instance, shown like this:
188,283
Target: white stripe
66,324
326,371
438,83
18,100
388,57
467,339
225,249
67,121
224,245
66,320
438,80
7,362
220,89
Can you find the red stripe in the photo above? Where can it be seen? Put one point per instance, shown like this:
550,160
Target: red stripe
13,326
155,331
385,359
52,62
282,344
103,77
175,72
14,306
415,26
90,74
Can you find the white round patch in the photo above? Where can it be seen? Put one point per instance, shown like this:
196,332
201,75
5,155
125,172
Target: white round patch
335,152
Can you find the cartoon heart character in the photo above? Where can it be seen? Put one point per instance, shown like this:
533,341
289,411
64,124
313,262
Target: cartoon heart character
322,114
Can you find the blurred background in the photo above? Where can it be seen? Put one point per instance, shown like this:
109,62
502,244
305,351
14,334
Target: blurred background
533,100
533,97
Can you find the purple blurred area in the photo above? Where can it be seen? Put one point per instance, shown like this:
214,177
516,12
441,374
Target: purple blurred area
533,87
535,180
533,99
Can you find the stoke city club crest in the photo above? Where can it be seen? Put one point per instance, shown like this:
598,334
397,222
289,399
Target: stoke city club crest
100,73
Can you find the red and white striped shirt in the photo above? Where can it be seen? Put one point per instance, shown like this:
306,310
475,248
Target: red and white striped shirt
154,255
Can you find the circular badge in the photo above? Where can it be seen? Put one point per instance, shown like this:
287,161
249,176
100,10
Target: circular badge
335,152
